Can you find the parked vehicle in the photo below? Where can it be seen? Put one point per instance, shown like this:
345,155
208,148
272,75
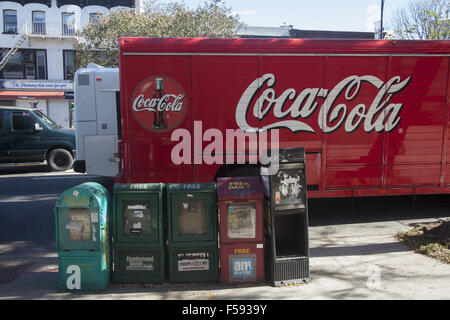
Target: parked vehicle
373,116
28,135
97,120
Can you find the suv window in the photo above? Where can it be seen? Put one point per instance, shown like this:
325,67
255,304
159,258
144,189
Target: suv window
1,119
49,122
22,121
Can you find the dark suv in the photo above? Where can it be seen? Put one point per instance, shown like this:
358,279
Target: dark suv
27,135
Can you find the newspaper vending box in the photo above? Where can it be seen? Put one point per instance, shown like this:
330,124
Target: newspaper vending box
286,215
138,233
241,229
83,240
192,232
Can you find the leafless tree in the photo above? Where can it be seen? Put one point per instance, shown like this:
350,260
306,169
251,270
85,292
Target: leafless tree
422,19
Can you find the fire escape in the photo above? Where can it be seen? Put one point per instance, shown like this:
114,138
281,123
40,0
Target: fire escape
7,53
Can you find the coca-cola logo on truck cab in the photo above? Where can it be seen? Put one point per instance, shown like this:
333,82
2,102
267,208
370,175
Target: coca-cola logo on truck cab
260,98
159,104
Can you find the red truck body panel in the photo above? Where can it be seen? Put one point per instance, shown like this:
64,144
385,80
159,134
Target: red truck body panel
373,115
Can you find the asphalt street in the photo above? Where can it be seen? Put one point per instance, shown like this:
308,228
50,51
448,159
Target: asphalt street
27,223
353,250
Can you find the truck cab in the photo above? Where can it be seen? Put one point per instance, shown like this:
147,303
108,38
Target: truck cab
28,135
97,120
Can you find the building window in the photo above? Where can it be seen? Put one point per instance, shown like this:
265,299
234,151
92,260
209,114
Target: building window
26,64
68,24
38,18
41,64
13,69
94,17
68,64
9,21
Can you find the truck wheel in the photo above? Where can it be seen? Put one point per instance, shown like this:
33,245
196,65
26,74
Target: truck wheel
59,160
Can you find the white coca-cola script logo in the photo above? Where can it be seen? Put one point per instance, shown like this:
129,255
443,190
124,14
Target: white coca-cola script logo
168,102
380,115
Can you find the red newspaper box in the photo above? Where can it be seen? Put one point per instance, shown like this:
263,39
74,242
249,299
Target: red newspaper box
241,229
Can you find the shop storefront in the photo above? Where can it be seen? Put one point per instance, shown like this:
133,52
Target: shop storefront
53,98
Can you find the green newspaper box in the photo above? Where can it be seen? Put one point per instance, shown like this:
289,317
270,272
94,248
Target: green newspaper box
138,233
83,242
192,232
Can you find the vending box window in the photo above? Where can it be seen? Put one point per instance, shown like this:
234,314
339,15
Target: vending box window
240,203
240,221
290,236
138,213
79,224
136,218
286,216
241,229
192,232
192,212
139,254
83,240
287,187
191,217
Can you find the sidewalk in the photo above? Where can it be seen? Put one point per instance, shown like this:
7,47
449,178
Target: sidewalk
347,261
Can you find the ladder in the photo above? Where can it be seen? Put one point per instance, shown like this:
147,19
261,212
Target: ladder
7,53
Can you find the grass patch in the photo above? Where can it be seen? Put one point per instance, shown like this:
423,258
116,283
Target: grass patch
430,239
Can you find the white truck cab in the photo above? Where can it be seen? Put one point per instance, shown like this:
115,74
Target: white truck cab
97,120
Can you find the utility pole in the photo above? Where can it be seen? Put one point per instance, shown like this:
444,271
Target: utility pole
381,23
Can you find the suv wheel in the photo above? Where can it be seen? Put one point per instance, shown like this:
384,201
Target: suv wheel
59,160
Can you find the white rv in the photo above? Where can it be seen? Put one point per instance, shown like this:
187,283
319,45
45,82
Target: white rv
97,120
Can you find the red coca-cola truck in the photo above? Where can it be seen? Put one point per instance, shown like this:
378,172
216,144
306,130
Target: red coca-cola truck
372,115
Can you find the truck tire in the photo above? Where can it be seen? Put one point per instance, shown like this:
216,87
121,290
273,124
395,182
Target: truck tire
59,160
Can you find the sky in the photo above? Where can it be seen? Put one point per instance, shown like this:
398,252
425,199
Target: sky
336,15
